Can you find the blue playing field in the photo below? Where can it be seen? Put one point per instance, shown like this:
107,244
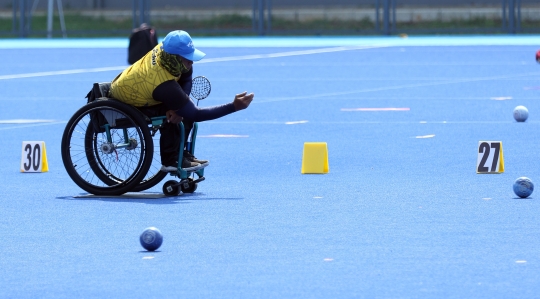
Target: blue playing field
402,212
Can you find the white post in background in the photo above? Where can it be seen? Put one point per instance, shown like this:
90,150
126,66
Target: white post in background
61,15
50,14
141,12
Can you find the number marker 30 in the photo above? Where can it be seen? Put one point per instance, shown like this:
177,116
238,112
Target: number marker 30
34,157
490,157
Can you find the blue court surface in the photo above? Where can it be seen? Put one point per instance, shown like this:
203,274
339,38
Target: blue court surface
402,212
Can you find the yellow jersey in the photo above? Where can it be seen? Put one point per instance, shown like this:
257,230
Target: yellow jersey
135,85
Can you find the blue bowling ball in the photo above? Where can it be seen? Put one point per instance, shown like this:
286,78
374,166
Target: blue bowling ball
523,187
151,239
521,113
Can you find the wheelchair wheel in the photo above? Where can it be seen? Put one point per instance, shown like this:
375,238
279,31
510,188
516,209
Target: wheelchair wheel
154,175
170,188
189,186
93,141
105,147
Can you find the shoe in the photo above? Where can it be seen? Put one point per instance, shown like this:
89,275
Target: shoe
186,165
190,157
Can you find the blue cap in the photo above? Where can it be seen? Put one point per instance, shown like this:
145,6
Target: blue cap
179,42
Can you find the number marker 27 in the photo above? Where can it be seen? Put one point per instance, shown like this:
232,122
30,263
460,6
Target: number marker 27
490,157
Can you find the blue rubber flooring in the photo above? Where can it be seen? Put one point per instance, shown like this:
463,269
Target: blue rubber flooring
402,212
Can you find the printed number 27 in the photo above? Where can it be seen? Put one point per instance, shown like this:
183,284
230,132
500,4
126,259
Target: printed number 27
33,157
485,148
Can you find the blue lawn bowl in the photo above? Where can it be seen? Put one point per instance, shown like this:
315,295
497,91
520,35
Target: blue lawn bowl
151,239
523,187
521,113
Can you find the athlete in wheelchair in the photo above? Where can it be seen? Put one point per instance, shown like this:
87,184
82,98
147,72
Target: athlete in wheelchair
108,144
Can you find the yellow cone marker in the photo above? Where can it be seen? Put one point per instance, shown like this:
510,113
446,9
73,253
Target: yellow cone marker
315,157
34,157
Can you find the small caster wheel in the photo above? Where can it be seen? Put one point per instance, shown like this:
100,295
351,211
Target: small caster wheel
189,186
170,188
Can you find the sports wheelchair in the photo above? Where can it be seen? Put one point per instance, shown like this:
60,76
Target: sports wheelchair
108,149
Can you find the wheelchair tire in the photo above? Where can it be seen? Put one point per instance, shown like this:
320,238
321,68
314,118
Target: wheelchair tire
98,167
101,167
170,188
191,186
154,175
150,181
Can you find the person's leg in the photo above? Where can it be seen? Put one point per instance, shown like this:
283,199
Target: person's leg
169,141
188,126
169,144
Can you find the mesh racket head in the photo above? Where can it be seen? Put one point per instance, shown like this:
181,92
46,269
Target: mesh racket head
200,88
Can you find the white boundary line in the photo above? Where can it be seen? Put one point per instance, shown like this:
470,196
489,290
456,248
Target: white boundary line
443,122
33,125
289,41
209,60
26,121
65,72
290,53
355,79
334,94
273,55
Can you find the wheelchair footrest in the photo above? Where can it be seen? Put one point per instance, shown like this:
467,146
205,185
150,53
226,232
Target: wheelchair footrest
199,180
195,168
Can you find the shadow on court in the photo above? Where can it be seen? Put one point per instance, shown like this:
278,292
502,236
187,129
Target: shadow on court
154,198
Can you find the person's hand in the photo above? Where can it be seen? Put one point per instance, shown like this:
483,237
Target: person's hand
242,100
172,117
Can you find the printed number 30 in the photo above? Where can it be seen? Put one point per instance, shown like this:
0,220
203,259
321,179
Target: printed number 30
485,148
33,157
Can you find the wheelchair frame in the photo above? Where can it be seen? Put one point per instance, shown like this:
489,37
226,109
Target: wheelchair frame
186,183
